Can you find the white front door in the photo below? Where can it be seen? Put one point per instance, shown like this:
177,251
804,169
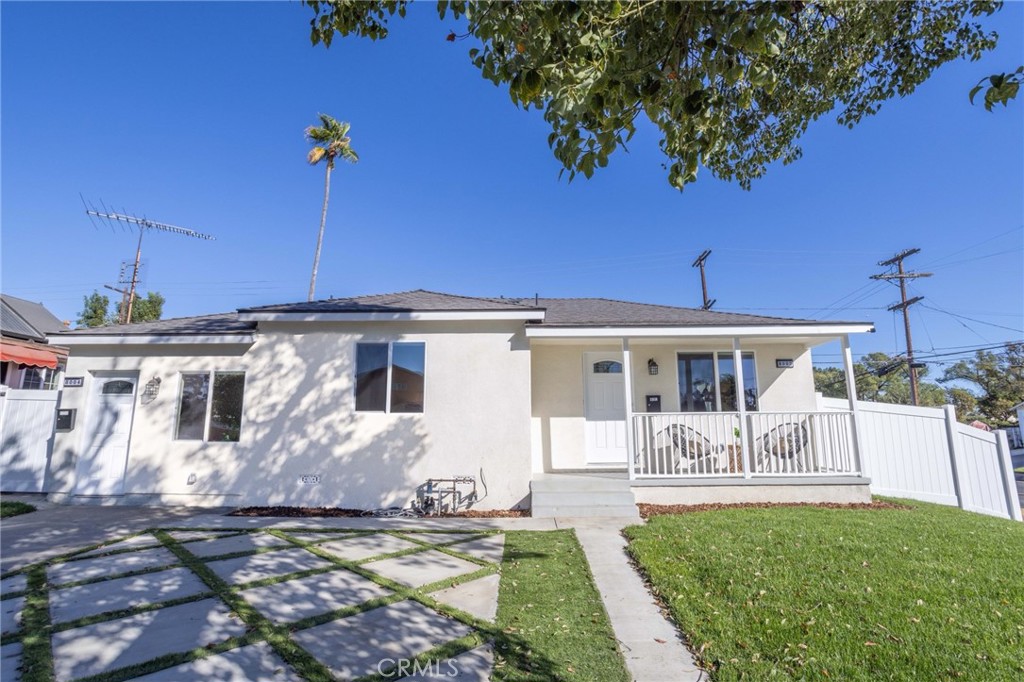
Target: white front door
101,467
605,409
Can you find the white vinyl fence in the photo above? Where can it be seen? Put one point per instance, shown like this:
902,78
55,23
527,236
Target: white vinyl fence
26,437
923,453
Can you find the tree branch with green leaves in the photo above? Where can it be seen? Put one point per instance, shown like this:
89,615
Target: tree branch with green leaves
730,86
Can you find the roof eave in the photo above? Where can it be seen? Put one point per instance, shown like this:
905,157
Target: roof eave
647,331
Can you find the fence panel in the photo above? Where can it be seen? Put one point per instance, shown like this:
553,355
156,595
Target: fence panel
26,438
906,453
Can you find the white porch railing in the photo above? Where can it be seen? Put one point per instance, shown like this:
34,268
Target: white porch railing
678,444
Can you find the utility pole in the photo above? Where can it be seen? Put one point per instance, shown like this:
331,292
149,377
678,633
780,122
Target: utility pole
699,263
904,305
143,224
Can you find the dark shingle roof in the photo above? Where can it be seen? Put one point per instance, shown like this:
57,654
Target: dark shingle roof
604,312
559,312
222,323
403,301
27,320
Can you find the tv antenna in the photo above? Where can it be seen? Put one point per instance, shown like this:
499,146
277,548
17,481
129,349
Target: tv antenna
699,263
143,224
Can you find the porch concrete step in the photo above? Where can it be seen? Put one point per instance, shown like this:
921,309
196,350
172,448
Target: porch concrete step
548,498
579,495
577,511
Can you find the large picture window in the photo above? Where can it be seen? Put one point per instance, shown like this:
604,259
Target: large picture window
707,382
390,377
216,415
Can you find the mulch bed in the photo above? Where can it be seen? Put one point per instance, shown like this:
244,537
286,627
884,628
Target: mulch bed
649,510
339,512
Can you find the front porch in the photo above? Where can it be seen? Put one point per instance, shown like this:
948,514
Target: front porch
693,418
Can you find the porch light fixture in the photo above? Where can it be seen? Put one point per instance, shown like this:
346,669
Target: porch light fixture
652,367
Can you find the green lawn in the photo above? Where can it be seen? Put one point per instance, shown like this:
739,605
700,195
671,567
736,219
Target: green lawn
552,622
926,593
10,508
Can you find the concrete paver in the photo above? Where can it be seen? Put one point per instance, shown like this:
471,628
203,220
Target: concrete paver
319,537
371,641
191,535
441,538
121,593
272,564
488,548
421,568
235,543
473,666
478,597
14,583
310,596
10,661
366,546
106,566
10,614
113,644
253,663
136,542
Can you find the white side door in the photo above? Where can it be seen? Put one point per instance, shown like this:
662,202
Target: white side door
101,468
605,409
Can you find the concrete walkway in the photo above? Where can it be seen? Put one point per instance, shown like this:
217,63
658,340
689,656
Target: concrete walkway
650,644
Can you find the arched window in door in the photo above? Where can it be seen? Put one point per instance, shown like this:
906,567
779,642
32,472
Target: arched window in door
607,367
118,387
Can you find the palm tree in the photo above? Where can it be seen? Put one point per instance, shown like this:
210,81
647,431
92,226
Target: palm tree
330,141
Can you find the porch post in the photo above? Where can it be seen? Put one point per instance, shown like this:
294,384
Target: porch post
627,382
746,454
851,395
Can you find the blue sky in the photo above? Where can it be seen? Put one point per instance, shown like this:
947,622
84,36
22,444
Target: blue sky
192,114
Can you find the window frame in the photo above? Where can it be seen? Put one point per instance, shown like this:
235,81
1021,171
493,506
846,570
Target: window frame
208,412
388,377
718,377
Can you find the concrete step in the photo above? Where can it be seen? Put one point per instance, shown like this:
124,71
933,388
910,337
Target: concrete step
626,511
578,482
568,495
544,498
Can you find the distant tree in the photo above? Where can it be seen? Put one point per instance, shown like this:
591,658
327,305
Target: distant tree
965,402
95,309
999,376
148,308
880,379
731,86
330,141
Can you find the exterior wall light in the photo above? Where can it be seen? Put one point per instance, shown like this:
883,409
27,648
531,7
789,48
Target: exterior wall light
652,367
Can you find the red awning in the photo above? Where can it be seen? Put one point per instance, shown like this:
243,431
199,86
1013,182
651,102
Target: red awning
28,356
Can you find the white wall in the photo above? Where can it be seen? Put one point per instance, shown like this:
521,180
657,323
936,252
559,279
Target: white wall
558,410
299,418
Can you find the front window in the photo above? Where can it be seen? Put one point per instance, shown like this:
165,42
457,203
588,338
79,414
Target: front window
390,377
211,416
707,382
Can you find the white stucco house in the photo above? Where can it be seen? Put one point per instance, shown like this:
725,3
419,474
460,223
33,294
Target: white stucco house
578,405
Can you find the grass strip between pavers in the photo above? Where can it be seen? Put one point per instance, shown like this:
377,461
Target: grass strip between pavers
36,651
805,593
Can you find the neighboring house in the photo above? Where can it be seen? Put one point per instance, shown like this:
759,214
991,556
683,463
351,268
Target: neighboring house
30,371
584,404
26,360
